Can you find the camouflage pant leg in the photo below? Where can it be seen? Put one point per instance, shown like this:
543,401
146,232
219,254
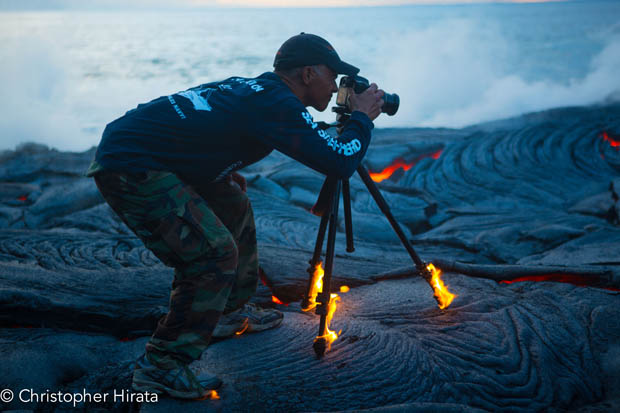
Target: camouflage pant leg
233,207
179,227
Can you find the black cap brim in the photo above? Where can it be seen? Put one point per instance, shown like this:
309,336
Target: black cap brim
343,68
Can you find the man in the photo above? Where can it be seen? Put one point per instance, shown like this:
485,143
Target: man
168,169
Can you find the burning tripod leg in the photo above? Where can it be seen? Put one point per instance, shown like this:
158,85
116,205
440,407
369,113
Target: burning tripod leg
324,298
428,272
315,270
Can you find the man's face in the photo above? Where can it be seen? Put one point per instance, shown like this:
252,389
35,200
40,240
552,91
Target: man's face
322,87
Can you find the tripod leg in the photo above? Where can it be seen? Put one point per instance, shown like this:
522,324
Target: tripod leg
348,224
322,208
308,301
324,201
320,343
383,206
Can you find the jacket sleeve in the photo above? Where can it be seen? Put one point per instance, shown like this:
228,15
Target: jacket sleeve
288,127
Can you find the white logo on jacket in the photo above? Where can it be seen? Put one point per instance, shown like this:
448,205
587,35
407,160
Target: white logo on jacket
252,83
199,101
347,149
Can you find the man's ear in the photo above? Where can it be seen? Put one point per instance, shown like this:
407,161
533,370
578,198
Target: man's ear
307,74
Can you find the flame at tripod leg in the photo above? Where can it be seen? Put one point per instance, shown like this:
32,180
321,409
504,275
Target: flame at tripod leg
316,287
444,297
330,336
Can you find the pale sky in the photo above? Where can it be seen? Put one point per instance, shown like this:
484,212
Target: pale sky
62,4
348,3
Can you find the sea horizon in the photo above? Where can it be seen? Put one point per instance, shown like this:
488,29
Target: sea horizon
70,72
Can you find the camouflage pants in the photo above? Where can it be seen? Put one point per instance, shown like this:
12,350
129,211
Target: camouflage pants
207,234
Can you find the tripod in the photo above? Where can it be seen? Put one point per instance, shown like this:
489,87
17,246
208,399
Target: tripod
327,208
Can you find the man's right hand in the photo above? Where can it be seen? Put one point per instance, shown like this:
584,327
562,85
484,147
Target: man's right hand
368,102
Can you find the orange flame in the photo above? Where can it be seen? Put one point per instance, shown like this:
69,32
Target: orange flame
344,289
212,395
444,297
614,143
330,336
276,300
316,287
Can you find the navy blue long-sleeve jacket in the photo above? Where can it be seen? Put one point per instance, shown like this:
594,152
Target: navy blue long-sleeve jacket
211,130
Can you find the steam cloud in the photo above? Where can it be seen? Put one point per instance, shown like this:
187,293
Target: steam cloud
448,74
35,97
452,79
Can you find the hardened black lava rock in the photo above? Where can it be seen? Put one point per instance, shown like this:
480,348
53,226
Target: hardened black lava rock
532,196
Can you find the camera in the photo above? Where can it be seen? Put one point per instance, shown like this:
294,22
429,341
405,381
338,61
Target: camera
358,84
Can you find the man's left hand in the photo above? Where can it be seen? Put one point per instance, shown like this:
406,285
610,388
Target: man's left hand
239,180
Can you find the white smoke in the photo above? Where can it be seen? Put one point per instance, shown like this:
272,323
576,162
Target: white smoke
47,98
61,90
455,74
35,104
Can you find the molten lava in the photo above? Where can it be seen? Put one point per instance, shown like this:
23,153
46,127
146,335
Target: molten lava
614,143
443,296
399,163
436,155
277,300
387,172
575,279
245,327
316,287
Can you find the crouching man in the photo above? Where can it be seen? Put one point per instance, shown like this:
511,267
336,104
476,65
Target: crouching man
168,169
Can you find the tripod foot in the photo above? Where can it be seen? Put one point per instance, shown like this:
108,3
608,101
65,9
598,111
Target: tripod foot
320,344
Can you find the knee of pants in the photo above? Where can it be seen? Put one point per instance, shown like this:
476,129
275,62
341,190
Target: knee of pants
221,259
228,257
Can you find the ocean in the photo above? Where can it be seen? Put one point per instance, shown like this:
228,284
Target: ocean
66,73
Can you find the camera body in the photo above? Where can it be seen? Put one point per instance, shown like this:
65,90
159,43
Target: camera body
358,84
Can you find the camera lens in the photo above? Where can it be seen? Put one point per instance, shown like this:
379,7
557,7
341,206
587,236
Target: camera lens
391,101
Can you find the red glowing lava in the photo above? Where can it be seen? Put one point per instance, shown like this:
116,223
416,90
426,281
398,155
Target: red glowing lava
263,279
277,300
399,163
612,142
22,198
575,279
21,326
387,172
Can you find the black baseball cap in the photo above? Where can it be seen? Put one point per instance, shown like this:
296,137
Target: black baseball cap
307,49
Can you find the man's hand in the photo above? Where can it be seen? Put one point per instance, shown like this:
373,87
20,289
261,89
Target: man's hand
369,101
237,178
